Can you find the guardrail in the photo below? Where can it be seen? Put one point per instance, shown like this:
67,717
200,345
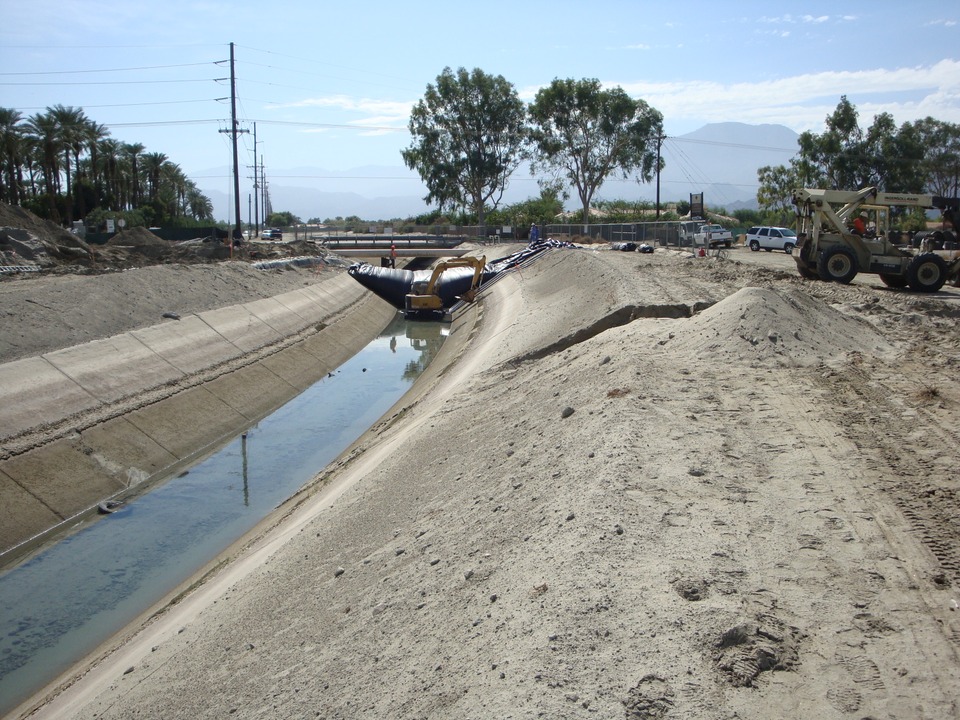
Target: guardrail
334,242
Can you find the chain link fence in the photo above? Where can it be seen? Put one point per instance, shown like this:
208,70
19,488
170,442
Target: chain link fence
666,233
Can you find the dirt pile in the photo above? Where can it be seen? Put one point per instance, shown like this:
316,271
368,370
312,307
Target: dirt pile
30,244
764,326
57,290
29,241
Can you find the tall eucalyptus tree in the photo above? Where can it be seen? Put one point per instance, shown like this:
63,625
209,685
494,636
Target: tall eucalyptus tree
468,135
587,134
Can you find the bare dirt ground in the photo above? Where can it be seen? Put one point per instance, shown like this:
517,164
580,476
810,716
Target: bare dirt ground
603,508
639,486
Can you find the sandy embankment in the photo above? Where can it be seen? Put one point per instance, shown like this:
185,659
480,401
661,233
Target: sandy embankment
582,518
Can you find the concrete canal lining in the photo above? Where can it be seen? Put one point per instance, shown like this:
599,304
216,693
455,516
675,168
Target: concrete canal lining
106,418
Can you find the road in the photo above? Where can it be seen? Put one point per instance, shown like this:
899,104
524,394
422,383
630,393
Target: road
783,261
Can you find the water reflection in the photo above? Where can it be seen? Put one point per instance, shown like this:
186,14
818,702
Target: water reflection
60,604
426,338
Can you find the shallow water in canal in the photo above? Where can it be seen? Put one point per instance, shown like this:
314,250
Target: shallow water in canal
64,601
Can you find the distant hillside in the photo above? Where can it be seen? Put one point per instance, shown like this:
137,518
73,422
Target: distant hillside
720,160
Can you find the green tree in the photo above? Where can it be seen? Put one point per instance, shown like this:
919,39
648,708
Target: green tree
540,210
941,157
12,148
95,134
69,122
108,161
587,134
777,184
283,218
63,147
468,135
199,205
892,157
152,169
45,138
912,158
133,153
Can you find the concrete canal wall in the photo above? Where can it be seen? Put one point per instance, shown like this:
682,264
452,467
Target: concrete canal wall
107,418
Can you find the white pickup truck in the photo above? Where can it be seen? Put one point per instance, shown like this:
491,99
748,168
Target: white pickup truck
713,236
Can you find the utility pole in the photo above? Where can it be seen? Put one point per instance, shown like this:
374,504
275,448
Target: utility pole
263,191
659,142
256,183
234,131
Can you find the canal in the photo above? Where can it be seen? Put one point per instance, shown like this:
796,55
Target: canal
64,601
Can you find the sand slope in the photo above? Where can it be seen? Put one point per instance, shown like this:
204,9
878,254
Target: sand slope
646,488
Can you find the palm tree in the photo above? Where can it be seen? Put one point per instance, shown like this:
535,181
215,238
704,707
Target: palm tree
108,158
200,205
71,123
11,150
172,177
62,144
43,127
133,151
29,160
152,166
94,134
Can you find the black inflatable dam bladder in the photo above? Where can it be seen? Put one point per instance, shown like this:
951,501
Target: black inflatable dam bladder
394,284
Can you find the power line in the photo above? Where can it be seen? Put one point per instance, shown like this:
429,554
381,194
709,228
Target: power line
105,82
122,105
160,123
127,69
265,122
728,144
320,62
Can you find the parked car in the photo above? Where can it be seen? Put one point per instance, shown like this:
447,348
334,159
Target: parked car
272,234
713,236
771,238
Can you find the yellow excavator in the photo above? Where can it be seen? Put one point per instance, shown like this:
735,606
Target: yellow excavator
423,300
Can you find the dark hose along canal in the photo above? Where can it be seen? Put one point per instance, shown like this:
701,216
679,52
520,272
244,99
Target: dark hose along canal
67,599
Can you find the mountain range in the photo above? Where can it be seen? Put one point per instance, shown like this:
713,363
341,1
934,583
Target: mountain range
719,160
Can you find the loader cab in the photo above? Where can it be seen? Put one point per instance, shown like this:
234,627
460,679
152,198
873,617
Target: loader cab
877,221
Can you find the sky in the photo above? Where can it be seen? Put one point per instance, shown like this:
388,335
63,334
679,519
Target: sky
331,84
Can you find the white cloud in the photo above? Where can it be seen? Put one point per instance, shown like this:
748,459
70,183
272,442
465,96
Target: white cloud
388,108
378,117
801,102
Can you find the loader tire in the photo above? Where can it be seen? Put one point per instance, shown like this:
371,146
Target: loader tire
837,264
894,281
807,273
927,273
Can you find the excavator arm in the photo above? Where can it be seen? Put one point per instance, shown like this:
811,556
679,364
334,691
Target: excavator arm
424,300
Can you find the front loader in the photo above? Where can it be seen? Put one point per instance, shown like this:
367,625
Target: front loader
829,249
